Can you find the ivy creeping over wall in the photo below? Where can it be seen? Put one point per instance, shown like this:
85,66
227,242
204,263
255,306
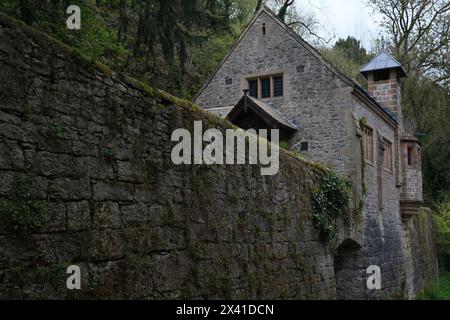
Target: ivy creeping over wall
330,201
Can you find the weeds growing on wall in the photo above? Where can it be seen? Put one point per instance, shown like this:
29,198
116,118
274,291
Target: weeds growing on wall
330,201
23,213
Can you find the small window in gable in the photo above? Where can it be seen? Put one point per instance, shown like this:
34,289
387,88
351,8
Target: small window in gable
228,81
304,146
264,29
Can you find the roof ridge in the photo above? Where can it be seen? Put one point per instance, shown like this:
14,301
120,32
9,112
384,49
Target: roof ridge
259,102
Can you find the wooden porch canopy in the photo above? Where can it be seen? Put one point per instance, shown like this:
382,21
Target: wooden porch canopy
250,113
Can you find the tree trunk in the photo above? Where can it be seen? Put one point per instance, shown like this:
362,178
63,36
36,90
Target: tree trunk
26,11
123,22
258,5
283,11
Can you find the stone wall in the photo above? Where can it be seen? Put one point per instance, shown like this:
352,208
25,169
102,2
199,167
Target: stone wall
383,231
91,151
387,92
421,252
86,179
411,172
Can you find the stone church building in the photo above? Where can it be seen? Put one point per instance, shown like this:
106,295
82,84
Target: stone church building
272,78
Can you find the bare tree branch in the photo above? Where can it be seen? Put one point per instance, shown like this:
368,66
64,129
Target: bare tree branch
419,34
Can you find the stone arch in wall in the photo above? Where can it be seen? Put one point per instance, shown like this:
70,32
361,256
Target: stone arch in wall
348,271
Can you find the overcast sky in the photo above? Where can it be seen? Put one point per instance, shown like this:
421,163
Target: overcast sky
341,18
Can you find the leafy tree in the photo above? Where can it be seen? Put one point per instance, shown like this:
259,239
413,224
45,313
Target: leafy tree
152,40
419,32
442,220
348,55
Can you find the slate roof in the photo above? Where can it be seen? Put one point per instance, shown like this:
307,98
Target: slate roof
221,112
263,107
382,61
273,113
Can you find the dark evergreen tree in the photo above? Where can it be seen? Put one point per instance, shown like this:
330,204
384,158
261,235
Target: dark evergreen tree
352,49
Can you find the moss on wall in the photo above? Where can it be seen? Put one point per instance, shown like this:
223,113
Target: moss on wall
138,226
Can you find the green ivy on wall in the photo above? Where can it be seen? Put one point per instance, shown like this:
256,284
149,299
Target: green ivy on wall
330,201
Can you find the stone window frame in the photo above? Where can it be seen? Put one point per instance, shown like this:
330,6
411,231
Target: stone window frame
410,157
369,148
245,84
414,155
388,159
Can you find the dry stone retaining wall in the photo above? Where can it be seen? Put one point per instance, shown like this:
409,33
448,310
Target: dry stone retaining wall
86,179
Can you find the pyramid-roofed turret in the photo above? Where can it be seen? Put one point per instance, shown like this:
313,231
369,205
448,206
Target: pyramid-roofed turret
382,61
